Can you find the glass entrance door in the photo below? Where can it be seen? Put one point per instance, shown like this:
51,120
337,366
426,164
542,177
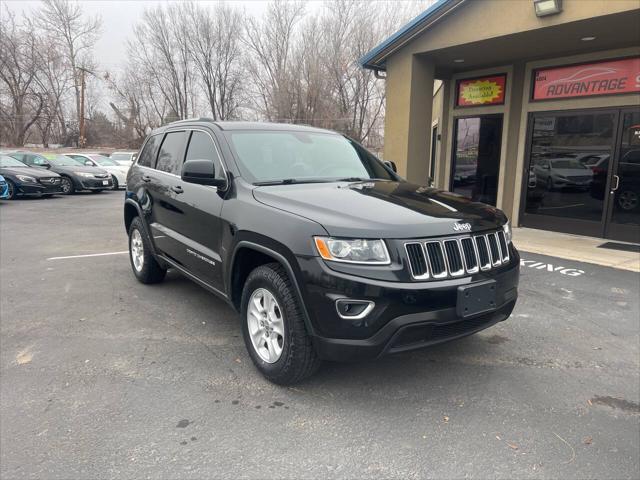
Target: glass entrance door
624,185
476,157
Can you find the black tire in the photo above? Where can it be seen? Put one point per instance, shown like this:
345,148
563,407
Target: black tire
298,359
12,190
150,270
67,186
116,185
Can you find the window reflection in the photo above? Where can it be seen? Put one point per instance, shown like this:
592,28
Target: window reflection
476,162
568,165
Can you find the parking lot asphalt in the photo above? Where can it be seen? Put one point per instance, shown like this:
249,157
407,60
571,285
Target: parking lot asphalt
103,377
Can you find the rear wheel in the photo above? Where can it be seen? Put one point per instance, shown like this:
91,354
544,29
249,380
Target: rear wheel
66,184
273,327
145,267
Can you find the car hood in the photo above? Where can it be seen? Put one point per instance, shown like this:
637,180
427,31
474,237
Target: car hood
32,172
77,168
380,208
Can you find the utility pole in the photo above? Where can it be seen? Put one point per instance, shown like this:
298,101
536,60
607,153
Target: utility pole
81,139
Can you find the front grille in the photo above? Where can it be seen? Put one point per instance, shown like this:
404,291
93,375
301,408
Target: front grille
457,256
100,175
50,180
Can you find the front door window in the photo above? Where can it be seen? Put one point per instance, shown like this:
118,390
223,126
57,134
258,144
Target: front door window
476,161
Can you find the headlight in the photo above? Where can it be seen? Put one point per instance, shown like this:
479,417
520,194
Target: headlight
371,252
26,179
84,174
507,232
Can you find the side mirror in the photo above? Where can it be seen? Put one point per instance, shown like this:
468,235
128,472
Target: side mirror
391,165
45,165
202,172
88,163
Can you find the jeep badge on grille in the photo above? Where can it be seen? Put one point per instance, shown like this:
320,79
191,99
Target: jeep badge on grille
462,227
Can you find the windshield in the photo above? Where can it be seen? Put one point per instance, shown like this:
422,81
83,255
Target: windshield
63,161
104,161
303,156
568,163
6,161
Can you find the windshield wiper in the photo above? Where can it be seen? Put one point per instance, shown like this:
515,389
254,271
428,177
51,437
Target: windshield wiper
289,181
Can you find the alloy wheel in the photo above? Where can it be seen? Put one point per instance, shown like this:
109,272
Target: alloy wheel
137,250
66,185
628,200
265,320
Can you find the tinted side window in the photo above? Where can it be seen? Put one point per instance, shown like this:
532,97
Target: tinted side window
171,153
201,147
148,155
36,160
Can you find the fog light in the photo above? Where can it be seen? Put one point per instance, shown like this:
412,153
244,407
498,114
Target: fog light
353,309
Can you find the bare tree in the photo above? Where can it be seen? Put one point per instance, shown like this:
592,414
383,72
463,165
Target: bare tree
270,41
165,58
18,73
75,34
214,42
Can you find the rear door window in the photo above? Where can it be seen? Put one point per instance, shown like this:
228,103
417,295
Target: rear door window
150,152
171,153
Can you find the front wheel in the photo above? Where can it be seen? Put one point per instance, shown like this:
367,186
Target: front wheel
66,184
273,327
12,191
116,185
145,267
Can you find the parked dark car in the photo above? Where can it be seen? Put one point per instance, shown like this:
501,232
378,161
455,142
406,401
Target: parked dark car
325,251
24,180
75,175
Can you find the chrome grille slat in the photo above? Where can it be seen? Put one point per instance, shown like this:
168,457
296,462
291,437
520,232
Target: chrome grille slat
456,256
494,250
417,260
436,260
453,258
504,248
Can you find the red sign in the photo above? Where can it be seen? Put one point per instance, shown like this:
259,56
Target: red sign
481,91
602,78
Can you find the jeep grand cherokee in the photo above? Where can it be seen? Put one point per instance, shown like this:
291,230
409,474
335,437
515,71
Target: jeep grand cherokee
323,249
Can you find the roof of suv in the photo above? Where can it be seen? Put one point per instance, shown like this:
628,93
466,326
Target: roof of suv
237,125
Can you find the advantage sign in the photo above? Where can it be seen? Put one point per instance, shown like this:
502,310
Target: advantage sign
481,91
601,78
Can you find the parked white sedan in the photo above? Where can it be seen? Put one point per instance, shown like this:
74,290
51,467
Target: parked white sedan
118,172
124,158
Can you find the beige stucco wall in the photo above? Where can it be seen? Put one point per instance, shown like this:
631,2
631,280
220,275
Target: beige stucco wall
476,20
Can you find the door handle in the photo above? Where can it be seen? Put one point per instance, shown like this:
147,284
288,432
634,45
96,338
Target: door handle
177,189
617,178
146,178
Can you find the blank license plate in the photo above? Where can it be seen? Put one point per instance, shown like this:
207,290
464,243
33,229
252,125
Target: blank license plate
105,182
476,298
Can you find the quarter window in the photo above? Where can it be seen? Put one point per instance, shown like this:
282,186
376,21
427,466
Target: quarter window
171,153
148,155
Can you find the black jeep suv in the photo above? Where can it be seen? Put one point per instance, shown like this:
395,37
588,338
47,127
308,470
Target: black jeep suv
324,250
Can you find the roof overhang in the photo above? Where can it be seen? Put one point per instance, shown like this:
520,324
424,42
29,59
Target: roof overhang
376,58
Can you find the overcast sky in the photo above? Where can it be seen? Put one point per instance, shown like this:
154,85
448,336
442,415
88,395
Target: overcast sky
119,16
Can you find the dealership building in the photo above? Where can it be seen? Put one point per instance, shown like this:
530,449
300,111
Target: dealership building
529,105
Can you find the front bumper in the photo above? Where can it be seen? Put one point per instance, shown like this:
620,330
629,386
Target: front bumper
406,316
96,183
38,189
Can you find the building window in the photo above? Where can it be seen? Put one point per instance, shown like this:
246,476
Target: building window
476,157
568,165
